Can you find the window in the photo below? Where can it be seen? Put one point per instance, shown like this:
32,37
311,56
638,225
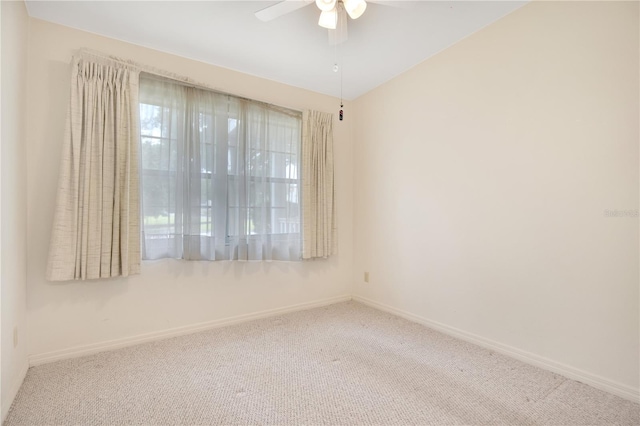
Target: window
220,175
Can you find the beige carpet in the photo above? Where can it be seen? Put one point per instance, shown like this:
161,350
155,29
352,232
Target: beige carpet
343,364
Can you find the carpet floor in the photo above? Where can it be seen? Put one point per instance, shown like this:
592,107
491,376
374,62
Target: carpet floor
341,364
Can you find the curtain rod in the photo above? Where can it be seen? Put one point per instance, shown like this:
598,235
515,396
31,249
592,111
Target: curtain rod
84,52
282,110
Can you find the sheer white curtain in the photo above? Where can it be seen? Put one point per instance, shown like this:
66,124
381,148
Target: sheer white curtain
220,175
96,229
319,208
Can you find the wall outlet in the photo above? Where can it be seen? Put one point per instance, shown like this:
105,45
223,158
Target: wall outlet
15,336
366,277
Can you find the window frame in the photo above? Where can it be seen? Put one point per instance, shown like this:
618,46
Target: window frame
156,173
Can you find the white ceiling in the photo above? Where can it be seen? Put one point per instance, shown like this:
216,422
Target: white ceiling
386,41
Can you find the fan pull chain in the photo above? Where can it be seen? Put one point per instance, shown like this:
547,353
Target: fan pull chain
335,69
341,114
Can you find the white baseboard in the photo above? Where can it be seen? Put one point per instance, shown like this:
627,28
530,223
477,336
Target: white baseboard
585,377
93,348
7,399
596,381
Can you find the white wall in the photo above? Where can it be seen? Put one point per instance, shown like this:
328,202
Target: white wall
168,293
481,180
13,275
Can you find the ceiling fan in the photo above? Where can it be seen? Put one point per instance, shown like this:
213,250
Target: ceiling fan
333,14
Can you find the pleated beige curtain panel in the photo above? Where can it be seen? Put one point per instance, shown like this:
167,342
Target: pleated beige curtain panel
318,194
96,229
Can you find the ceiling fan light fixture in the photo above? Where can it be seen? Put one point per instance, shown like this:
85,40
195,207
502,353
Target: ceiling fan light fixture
355,8
326,5
329,19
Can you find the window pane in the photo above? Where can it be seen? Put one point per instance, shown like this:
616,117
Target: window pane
232,125
159,214
278,166
258,221
205,221
233,160
151,153
283,222
279,195
233,221
150,120
259,194
291,169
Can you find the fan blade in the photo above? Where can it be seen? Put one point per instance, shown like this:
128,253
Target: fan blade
279,9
